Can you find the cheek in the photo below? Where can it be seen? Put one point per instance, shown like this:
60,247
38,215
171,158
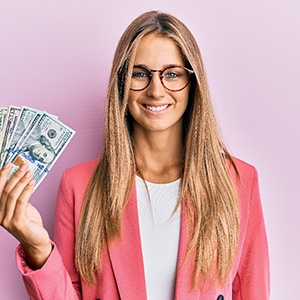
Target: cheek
184,99
132,102
130,105
131,98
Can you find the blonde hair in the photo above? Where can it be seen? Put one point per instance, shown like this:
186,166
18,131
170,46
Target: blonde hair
207,190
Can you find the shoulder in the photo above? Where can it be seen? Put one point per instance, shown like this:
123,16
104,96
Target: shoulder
79,175
246,181
82,168
247,172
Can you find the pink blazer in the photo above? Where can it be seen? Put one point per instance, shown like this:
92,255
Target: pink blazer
122,276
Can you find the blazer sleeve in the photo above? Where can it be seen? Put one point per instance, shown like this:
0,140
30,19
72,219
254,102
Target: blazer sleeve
252,280
57,279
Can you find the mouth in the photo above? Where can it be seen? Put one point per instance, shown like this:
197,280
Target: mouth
156,108
36,151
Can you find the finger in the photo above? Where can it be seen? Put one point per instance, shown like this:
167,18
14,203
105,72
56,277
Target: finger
4,172
12,197
22,202
15,178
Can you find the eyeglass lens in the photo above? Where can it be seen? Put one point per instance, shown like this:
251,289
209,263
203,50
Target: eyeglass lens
174,78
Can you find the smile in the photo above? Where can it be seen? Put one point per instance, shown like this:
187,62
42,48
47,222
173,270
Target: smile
156,108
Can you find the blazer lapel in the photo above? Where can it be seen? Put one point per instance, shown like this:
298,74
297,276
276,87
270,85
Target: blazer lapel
184,267
126,255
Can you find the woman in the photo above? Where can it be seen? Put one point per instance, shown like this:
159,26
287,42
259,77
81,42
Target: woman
166,213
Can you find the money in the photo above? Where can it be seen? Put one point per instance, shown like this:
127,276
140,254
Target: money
9,126
3,111
27,119
34,137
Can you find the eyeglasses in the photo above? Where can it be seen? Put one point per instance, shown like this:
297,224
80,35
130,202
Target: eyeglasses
173,78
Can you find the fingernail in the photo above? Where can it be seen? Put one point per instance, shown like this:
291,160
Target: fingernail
23,167
28,174
31,182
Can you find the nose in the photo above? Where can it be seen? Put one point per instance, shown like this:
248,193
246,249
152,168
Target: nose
155,89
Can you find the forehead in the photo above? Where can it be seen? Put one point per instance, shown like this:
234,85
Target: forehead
156,51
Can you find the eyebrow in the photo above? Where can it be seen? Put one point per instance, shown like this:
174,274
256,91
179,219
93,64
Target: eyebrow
163,67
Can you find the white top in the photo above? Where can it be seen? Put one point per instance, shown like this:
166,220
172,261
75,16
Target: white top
159,232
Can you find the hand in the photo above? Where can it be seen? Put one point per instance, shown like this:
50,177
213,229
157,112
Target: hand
20,218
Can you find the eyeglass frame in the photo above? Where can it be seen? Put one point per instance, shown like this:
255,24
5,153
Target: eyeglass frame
190,73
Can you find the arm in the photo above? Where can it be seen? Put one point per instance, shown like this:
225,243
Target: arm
252,280
20,218
24,222
57,278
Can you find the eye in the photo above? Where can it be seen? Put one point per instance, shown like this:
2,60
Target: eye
171,75
140,73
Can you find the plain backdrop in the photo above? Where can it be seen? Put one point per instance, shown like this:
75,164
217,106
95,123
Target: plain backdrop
56,56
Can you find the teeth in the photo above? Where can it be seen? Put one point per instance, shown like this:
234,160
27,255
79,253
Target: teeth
157,108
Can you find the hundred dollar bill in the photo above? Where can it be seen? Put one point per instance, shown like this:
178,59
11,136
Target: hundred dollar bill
42,147
27,119
10,123
3,111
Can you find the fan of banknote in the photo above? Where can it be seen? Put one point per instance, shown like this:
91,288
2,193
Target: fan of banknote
31,136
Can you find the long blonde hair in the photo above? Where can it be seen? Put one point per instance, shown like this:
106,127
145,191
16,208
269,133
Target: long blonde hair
207,189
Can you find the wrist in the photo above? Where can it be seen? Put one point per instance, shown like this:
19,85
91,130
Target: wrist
35,256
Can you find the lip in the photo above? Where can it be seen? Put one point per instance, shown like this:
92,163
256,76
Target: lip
155,108
36,151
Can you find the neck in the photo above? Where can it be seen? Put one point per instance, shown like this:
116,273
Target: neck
158,155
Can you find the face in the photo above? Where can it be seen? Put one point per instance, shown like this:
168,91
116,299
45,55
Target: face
40,153
156,108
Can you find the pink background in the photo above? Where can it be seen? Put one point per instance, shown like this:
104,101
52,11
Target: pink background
56,55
